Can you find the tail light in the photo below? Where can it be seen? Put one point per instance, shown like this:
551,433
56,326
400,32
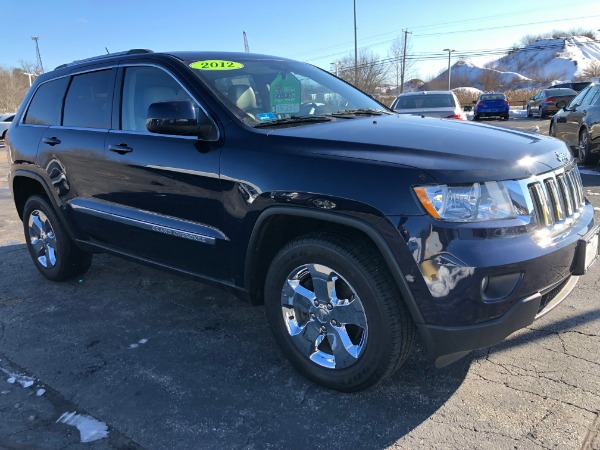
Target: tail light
550,100
506,102
480,104
456,116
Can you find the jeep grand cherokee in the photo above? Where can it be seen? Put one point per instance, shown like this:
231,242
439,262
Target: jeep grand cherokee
357,227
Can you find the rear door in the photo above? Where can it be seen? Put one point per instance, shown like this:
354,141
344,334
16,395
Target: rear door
164,190
72,152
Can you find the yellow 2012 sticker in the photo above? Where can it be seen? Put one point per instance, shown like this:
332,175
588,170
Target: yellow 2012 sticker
216,64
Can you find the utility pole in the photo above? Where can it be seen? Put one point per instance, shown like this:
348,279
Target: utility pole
37,52
406,33
337,68
246,46
449,50
355,48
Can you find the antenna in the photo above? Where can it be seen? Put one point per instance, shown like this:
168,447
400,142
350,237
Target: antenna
37,52
246,47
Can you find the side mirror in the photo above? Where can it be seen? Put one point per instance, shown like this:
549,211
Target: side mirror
561,104
179,118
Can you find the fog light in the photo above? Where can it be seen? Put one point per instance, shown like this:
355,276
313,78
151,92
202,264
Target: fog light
495,288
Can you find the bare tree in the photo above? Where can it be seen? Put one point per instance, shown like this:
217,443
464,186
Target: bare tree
372,72
398,56
592,70
13,86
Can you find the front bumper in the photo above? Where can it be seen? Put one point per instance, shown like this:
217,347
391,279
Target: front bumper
448,344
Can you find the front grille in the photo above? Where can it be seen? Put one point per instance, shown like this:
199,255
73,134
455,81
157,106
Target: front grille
557,199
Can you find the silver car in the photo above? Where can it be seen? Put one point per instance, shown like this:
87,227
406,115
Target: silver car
5,121
442,104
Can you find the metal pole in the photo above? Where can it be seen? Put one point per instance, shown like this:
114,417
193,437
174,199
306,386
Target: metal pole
406,32
355,48
449,50
37,52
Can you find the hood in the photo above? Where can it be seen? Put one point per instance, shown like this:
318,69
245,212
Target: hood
450,151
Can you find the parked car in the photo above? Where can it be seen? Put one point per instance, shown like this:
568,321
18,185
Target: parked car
575,85
5,121
491,105
544,102
442,104
357,227
578,124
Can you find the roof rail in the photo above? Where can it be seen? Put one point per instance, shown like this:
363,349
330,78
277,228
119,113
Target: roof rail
133,51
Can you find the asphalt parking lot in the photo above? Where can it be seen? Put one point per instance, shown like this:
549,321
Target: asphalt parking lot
152,360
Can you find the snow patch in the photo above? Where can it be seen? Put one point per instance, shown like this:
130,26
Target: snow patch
23,380
40,392
137,344
89,428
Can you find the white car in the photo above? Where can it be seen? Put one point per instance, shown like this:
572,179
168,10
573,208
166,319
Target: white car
5,121
442,104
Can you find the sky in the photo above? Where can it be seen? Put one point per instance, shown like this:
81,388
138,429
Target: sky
316,31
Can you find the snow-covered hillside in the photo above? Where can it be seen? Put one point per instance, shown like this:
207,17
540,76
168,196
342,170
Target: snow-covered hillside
541,63
551,59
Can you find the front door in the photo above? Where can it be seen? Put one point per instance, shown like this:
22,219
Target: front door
165,190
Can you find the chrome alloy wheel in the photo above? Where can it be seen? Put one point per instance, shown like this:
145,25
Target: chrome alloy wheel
42,238
324,316
583,146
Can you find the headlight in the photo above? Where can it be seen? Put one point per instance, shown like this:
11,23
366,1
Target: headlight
467,203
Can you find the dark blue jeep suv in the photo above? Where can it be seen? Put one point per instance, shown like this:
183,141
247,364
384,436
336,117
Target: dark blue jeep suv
357,227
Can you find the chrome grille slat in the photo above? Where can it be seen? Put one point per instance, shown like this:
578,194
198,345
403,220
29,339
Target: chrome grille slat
557,200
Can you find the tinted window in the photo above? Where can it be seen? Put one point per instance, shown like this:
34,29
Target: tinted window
143,86
88,100
577,100
46,104
425,101
559,92
492,97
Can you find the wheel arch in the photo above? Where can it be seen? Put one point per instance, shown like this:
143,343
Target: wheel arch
25,184
280,224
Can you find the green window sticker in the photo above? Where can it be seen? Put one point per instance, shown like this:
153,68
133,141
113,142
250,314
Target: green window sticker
216,64
285,94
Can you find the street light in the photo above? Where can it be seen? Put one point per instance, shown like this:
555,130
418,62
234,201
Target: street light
29,75
449,50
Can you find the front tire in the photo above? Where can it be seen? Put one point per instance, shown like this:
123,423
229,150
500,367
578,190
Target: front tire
584,149
542,113
529,113
335,312
52,250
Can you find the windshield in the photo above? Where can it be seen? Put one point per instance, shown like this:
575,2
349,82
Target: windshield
422,101
260,91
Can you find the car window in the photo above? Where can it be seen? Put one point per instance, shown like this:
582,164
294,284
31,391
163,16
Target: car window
492,97
8,119
578,99
143,86
259,90
595,97
591,96
560,92
425,101
45,107
89,99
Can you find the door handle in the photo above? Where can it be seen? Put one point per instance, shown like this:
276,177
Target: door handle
52,141
121,149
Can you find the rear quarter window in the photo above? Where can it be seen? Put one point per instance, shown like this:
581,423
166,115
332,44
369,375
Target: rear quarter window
46,103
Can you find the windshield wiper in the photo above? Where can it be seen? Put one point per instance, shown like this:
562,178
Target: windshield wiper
360,112
293,119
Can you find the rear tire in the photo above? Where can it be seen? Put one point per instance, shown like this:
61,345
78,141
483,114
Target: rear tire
476,118
529,113
54,253
335,312
542,113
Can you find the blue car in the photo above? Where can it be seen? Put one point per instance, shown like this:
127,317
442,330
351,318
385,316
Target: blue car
491,105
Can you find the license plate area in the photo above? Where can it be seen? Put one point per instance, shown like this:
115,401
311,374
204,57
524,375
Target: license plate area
586,253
